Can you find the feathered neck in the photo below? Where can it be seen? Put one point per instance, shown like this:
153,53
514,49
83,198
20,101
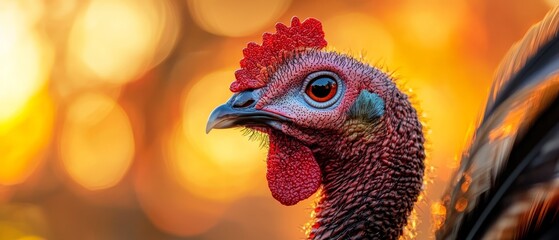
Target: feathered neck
373,176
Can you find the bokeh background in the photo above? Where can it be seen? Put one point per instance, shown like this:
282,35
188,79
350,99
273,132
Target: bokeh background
103,105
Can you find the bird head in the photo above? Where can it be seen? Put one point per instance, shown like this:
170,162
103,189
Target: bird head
316,106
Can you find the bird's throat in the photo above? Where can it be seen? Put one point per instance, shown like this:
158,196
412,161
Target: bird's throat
293,173
369,186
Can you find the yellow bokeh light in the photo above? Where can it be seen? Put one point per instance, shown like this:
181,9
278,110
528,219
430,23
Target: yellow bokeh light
57,57
115,41
204,176
222,146
236,18
374,41
212,165
25,59
23,139
96,143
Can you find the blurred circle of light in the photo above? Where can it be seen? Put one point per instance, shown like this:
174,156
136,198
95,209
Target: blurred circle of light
24,139
220,165
356,33
25,59
116,41
236,18
96,143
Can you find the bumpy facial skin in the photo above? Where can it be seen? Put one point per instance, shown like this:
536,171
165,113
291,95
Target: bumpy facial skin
363,143
284,94
370,156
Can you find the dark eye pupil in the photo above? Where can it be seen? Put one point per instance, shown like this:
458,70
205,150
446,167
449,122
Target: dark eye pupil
322,86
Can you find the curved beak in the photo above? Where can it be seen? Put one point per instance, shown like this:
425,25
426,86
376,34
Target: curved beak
240,111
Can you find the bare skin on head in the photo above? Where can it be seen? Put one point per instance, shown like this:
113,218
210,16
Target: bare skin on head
334,122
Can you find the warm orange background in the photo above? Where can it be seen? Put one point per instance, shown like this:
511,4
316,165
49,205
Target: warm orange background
103,105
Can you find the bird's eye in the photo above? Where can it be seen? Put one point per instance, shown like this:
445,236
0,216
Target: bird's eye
322,89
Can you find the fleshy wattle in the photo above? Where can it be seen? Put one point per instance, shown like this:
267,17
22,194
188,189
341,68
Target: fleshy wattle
293,173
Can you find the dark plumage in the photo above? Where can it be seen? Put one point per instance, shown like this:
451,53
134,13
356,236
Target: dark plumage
507,186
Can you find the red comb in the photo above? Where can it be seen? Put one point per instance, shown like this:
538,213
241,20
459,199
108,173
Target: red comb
259,59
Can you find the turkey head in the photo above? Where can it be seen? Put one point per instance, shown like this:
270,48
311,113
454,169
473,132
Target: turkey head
332,121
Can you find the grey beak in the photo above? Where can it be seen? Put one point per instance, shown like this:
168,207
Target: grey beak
240,111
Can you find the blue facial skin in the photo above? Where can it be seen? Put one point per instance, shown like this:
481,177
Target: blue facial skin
368,106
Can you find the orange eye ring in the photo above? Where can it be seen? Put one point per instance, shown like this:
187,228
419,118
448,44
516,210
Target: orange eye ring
322,88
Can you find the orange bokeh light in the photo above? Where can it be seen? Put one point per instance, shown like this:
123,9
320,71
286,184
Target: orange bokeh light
212,162
236,18
96,144
115,41
341,30
26,107
113,97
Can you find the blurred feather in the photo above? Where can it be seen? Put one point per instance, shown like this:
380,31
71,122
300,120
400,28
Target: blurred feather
499,190
522,66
